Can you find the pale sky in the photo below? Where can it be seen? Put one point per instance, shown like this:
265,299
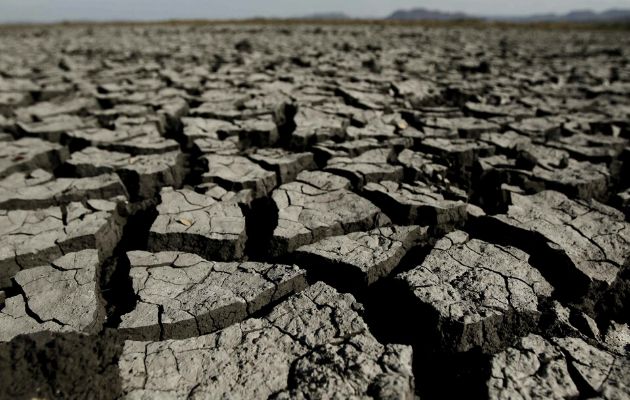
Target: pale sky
99,10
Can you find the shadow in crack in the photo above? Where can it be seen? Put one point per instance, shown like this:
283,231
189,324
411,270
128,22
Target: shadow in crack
61,366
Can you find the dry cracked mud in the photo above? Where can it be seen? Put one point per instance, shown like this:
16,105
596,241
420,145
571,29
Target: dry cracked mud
314,211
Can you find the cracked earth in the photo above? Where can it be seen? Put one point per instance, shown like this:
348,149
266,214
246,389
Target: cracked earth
314,212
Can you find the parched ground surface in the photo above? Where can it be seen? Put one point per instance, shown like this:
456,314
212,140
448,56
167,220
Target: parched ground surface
314,212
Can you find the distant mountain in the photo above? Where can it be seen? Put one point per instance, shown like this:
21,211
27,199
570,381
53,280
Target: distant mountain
615,15
423,14
419,14
327,16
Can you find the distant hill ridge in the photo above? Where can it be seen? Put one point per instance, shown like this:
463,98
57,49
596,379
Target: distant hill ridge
425,14
328,15
577,16
418,14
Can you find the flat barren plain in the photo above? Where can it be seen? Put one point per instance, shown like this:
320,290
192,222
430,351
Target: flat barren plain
304,211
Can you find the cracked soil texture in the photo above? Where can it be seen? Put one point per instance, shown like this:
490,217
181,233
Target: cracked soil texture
315,211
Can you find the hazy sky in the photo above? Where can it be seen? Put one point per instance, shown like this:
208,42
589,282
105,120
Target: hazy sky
57,10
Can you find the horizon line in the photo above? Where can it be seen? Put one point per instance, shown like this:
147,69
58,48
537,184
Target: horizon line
463,22
314,17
